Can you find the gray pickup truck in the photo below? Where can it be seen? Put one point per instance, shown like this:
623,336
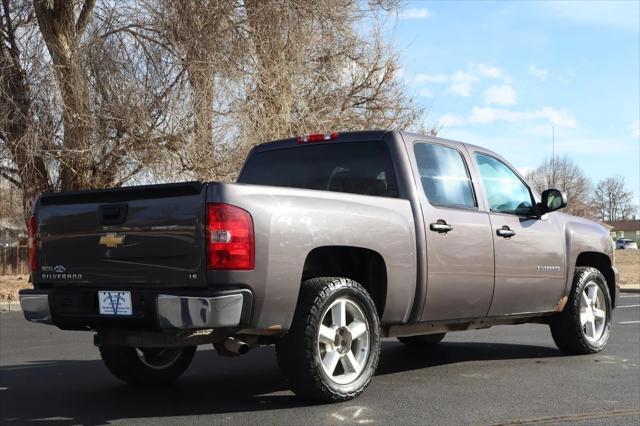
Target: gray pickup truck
326,244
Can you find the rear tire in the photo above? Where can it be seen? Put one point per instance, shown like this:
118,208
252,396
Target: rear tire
331,351
147,366
422,341
584,325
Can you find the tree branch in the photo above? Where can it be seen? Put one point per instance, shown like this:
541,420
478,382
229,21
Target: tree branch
10,30
10,179
85,14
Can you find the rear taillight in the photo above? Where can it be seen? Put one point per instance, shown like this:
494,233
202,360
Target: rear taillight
230,243
33,261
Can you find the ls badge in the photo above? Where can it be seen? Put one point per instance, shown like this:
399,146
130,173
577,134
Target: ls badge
111,240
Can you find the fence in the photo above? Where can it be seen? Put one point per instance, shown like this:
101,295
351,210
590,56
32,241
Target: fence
14,260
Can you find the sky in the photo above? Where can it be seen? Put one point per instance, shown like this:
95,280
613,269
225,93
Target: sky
503,74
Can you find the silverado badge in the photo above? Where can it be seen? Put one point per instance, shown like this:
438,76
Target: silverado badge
111,240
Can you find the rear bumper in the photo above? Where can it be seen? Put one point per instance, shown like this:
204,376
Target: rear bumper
154,310
186,313
35,308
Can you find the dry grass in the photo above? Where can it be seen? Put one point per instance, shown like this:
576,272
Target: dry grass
628,263
10,284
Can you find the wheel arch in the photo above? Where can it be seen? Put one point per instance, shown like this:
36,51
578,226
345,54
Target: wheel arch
602,263
365,266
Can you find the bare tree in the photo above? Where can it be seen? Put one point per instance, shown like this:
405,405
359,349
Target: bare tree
206,42
132,90
25,124
612,199
101,93
312,69
62,27
563,174
264,70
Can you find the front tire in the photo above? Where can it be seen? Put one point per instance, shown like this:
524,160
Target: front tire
332,349
147,366
584,325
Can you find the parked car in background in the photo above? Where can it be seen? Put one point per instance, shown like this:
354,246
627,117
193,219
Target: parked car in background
626,244
326,244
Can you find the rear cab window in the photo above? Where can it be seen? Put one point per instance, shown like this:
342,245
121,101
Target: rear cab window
363,168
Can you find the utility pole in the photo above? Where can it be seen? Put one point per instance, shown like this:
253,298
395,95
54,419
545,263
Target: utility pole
553,156
553,143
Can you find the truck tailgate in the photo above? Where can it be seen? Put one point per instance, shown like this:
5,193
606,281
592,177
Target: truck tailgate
122,237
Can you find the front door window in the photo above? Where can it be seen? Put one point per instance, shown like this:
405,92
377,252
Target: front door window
506,193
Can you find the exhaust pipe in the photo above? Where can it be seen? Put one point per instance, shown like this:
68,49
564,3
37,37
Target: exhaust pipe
236,346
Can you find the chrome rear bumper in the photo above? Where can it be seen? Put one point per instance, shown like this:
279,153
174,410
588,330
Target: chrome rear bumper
153,310
184,313
35,308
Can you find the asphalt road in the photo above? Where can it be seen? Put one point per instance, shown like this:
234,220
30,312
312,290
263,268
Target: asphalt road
505,374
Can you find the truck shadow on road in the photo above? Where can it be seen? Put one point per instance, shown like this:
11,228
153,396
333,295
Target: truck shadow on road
72,392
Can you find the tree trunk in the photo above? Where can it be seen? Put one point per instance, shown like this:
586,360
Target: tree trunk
201,80
274,91
62,33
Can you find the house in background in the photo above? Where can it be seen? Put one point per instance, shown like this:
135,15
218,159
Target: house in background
629,229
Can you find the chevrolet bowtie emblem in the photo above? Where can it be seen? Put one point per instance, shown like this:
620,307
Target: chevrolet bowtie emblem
111,240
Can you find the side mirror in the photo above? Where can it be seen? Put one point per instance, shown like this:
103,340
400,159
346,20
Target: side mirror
552,200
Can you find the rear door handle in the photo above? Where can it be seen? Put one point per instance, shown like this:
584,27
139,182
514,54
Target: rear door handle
441,227
505,232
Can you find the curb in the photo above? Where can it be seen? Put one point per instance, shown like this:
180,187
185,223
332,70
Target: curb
634,289
13,306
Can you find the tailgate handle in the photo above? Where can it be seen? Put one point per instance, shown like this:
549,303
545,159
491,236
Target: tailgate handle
113,214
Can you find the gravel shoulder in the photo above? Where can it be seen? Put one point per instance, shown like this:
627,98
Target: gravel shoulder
10,285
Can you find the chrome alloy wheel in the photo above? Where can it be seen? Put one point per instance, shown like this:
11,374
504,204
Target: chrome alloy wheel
159,358
593,312
343,341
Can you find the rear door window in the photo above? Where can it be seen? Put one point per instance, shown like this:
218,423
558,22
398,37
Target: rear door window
444,176
355,167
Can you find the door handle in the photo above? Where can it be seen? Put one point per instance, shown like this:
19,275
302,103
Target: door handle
505,232
441,227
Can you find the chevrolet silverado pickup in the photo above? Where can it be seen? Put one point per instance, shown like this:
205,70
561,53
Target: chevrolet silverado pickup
326,244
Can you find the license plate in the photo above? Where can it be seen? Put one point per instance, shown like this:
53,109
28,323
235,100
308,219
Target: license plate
115,303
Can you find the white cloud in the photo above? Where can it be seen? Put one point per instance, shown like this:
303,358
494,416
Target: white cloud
554,116
450,120
635,129
487,115
426,92
486,70
503,95
617,15
523,148
462,88
415,13
539,73
461,82
431,78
